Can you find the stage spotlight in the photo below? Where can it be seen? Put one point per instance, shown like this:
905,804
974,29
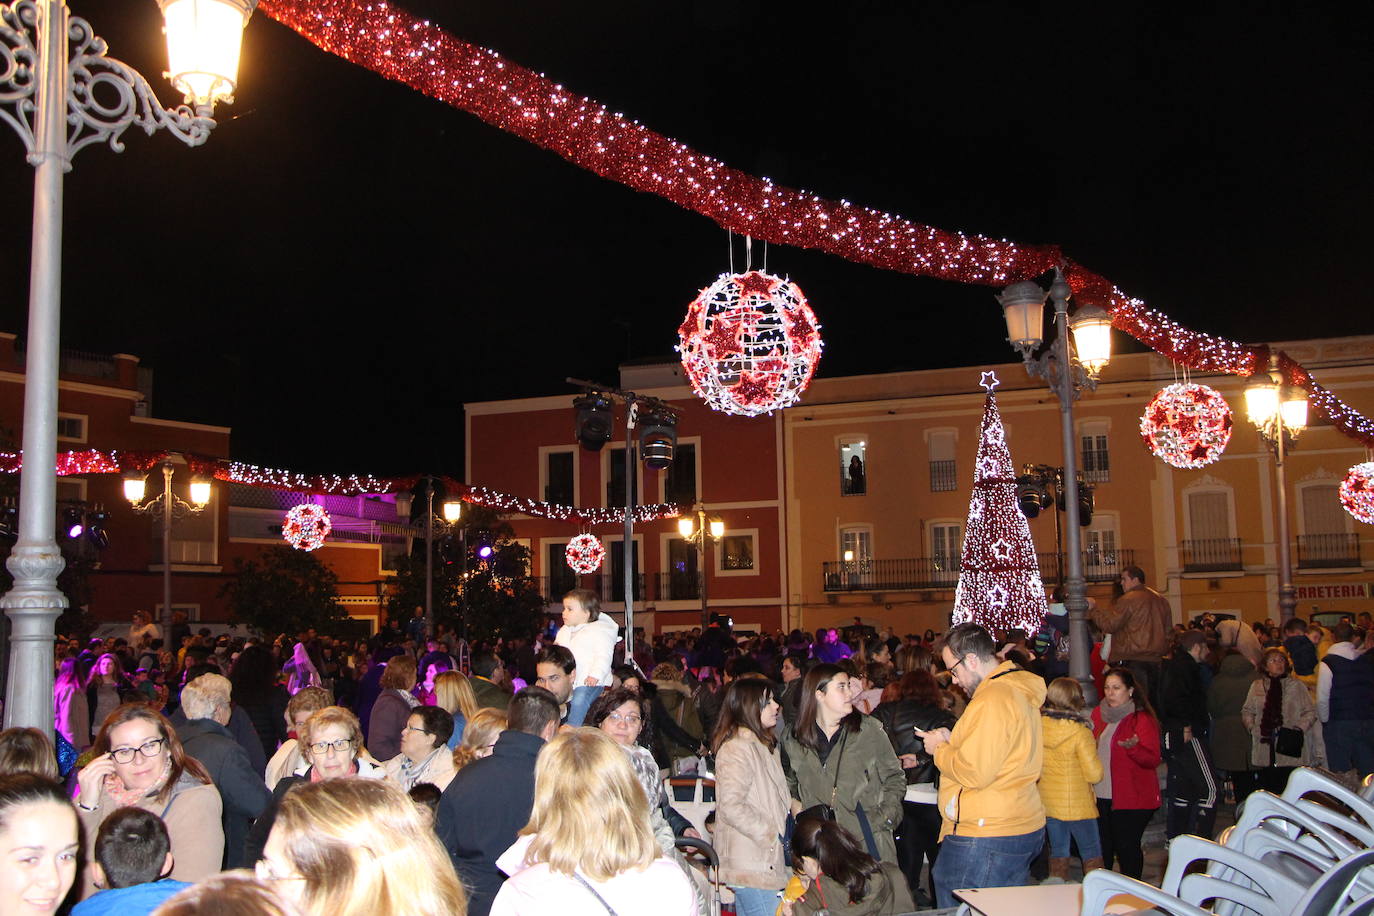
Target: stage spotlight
483,546
595,417
658,437
73,522
1031,495
95,527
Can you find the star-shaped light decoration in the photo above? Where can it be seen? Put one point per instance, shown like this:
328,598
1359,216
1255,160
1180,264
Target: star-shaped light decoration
723,338
753,388
998,596
1001,549
989,380
987,467
756,282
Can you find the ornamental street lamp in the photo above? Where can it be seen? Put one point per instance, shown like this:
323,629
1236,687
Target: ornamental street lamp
60,100
697,533
167,506
1279,412
453,512
1069,367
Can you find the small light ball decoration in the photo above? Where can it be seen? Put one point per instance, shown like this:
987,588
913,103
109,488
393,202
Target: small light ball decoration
1187,425
750,343
306,526
585,553
1357,492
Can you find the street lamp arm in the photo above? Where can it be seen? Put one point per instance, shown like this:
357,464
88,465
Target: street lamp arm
105,96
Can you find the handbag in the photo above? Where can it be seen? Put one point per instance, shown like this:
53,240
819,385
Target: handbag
1288,742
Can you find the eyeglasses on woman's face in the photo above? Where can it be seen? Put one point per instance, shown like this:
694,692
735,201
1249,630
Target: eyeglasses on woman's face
150,748
342,745
632,720
413,730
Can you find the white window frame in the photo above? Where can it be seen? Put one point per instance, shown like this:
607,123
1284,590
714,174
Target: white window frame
753,534
606,453
695,443
843,442
544,452
866,527
1094,426
192,610
85,426
932,524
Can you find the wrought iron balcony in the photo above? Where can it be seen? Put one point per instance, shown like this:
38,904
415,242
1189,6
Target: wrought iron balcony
923,573
1328,551
1212,555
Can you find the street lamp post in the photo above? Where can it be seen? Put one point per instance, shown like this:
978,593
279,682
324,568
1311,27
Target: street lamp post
48,94
453,511
167,506
1279,412
1068,369
696,533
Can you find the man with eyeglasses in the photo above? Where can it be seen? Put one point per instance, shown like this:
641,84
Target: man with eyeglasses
490,799
993,822
205,702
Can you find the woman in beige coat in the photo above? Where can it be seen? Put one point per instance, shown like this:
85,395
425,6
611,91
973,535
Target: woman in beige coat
751,797
139,761
1280,701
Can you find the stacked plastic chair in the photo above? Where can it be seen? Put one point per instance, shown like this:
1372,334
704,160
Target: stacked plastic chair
1307,853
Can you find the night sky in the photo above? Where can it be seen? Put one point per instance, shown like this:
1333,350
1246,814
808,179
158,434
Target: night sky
346,261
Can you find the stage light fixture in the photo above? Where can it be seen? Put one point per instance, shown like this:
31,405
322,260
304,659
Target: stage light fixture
594,419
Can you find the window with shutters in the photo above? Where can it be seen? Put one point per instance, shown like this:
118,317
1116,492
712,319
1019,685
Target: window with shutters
1325,539
944,474
1210,545
1092,443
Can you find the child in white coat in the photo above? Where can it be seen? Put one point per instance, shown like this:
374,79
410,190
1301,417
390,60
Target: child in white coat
591,637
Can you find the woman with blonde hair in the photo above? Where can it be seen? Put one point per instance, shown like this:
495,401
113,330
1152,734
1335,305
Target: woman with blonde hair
138,760
453,693
479,737
392,709
358,847
587,848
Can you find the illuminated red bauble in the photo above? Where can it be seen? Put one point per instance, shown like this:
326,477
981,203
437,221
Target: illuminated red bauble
1187,425
750,343
306,526
585,553
1357,492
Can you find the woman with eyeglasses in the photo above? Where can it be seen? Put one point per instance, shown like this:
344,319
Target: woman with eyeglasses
620,713
138,760
333,741
424,756
355,847
841,758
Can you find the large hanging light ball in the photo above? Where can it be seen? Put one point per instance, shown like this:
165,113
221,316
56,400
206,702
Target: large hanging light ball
750,343
1357,492
306,526
1187,425
585,553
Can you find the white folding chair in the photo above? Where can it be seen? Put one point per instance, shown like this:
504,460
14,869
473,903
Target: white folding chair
1339,889
1230,878
1101,887
1307,781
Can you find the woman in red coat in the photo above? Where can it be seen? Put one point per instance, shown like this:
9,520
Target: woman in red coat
1128,744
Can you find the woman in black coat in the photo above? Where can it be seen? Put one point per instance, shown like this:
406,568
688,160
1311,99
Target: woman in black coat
258,693
915,701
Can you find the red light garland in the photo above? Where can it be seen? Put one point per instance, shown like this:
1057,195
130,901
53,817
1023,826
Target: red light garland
750,343
1187,425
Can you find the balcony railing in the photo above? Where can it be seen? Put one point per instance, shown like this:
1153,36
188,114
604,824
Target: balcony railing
1212,555
1328,551
943,476
1098,565
608,588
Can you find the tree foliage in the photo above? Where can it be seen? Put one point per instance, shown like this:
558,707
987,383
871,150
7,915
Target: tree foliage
283,591
483,598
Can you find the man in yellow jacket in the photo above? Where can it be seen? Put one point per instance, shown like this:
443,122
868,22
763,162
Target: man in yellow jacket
993,822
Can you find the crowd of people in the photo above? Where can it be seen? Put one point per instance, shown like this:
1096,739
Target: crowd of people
855,771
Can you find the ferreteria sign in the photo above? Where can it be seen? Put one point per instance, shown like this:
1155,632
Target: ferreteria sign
1334,590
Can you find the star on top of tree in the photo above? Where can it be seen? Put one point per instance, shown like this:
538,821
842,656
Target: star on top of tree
989,380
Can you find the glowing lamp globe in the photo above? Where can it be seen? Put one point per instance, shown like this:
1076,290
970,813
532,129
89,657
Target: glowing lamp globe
1187,425
203,41
585,553
750,343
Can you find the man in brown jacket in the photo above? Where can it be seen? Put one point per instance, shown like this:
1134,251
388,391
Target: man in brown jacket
1139,624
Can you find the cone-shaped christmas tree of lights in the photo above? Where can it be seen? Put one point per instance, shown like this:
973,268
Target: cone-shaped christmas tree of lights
999,578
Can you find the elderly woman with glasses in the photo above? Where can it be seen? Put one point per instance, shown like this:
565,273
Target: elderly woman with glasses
139,761
424,756
333,740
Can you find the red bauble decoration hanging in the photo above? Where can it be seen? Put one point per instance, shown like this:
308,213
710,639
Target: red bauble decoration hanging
1187,425
750,343
1357,492
585,553
306,526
